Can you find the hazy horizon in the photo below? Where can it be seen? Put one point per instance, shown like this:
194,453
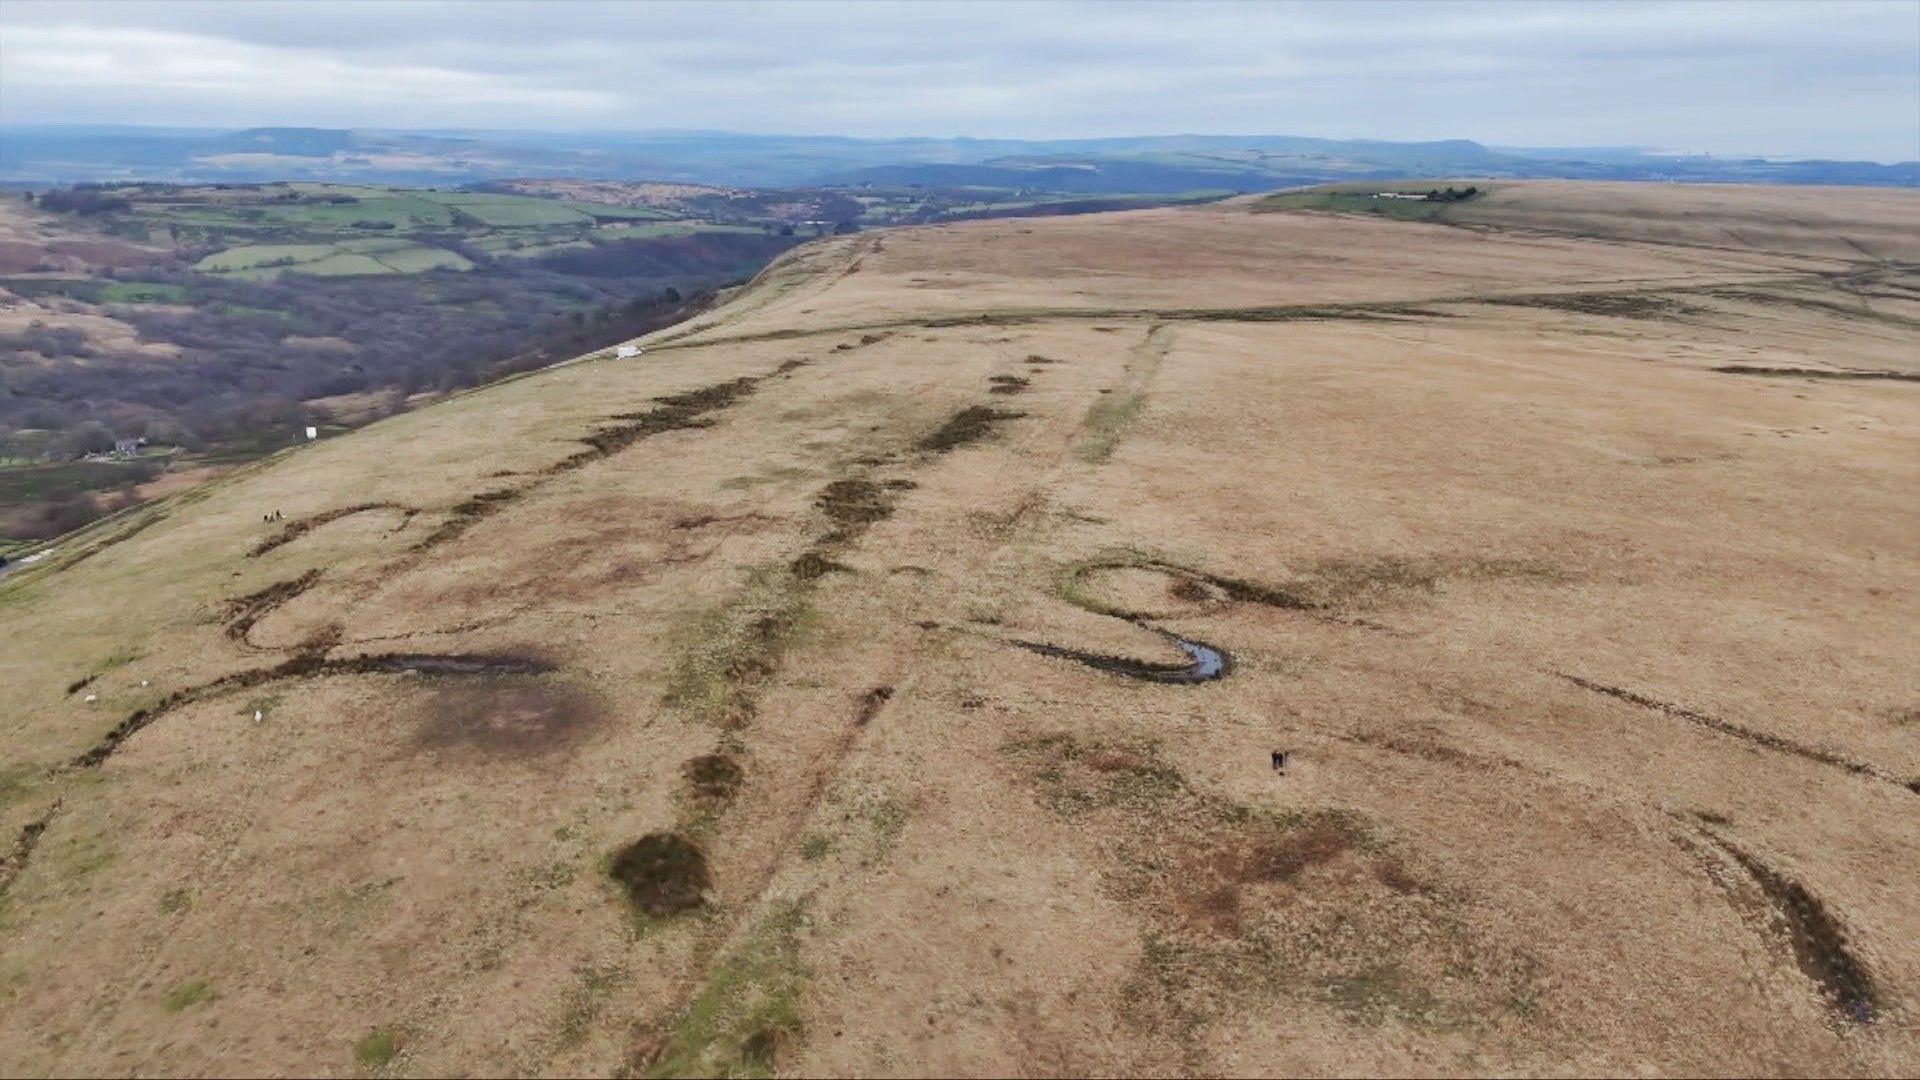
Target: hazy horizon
1799,80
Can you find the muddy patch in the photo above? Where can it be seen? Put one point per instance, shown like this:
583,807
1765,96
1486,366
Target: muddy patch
1747,734
964,428
663,874
518,718
1817,373
243,612
299,527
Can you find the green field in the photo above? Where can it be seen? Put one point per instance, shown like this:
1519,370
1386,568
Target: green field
142,292
23,484
1359,198
373,255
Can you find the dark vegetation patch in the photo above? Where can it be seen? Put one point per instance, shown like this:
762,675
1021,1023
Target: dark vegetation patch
1758,738
1816,373
1036,358
673,412
743,1017
1776,298
811,564
1814,936
16,860
854,505
1329,586
309,665
663,873
1301,313
968,426
713,778
1243,906
871,703
465,515
508,718
1008,384
1622,305
245,611
81,683
299,527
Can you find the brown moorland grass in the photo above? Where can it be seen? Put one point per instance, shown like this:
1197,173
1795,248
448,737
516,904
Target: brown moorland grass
701,740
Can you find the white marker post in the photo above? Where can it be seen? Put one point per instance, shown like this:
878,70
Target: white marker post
313,433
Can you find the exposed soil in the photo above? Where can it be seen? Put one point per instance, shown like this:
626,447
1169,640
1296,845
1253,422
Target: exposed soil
664,873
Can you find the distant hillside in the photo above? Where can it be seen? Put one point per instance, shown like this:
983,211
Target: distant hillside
50,154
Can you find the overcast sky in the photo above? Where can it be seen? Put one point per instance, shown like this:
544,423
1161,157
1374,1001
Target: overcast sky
1829,79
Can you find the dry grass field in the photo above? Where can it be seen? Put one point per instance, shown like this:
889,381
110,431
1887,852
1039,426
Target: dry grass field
805,697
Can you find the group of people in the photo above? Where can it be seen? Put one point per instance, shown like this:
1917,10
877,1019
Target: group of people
275,516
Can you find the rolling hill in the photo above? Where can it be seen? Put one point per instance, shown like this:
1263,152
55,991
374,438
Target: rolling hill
1243,639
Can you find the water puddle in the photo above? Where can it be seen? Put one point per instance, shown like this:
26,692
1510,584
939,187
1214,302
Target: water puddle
1204,662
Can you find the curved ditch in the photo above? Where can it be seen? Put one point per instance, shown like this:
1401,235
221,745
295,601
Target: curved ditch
310,665
1805,928
299,527
1205,662
243,612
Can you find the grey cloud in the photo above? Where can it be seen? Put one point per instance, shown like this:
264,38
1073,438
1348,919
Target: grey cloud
1819,78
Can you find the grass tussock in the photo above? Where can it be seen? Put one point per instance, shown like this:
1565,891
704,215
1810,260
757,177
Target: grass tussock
186,995
725,655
